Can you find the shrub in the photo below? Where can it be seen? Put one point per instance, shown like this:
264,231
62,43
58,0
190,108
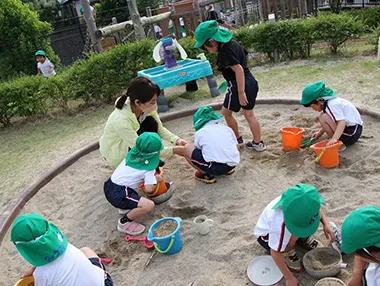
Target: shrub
21,98
336,29
374,39
369,16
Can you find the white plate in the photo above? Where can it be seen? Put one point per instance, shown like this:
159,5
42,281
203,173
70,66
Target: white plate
264,271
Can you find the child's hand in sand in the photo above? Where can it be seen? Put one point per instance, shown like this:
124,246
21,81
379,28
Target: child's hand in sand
329,233
292,281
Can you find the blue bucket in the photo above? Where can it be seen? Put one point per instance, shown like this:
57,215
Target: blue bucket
169,244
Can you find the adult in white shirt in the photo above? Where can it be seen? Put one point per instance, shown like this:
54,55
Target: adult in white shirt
44,66
361,236
215,151
55,261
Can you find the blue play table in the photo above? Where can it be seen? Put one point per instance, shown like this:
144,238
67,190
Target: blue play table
186,71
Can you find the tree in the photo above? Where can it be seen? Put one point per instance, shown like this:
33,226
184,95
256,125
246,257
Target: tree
22,34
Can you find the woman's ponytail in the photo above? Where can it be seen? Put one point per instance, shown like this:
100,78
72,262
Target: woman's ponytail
121,101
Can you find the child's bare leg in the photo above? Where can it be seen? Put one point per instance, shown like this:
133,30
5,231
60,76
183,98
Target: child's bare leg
144,206
291,243
89,252
189,148
328,125
231,121
254,124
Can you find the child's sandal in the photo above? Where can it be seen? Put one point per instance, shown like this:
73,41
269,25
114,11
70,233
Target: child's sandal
206,178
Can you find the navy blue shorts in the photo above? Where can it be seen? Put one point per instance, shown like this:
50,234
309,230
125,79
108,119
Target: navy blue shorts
351,134
121,197
107,278
231,101
211,168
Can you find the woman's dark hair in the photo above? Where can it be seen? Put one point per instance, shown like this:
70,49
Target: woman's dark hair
140,88
370,249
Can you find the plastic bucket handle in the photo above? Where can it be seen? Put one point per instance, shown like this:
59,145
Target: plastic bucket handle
167,249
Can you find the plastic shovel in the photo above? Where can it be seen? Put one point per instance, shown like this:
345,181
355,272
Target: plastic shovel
223,87
147,243
307,143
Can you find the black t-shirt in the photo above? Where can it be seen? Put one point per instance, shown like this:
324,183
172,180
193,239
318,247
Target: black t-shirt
230,54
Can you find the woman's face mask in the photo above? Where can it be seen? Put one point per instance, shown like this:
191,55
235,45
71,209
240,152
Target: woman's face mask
149,106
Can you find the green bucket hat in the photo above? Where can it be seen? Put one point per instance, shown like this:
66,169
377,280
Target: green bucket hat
203,115
314,91
210,30
361,229
37,240
301,207
146,153
40,53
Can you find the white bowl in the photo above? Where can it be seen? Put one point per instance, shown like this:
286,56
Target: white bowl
332,279
263,271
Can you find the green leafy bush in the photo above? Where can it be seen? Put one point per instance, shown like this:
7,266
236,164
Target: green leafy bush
374,39
336,29
21,98
369,16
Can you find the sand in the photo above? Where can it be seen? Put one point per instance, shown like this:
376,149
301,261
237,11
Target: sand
165,228
75,202
321,260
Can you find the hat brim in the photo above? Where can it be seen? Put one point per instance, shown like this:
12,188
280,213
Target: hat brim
221,35
303,101
133,160
347,248
303,232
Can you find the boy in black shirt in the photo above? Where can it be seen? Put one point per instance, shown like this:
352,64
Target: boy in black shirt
242,86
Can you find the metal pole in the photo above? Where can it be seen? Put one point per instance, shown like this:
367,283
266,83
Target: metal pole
272,21
378,50
91,26
149,14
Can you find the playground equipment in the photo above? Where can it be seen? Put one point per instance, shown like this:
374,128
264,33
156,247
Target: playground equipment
173,73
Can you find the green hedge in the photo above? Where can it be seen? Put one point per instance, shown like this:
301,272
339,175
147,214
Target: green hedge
369,16
294,38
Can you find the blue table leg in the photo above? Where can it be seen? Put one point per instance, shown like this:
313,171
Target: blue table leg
162,103
212,85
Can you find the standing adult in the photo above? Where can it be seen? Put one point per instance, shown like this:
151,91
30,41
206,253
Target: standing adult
135,113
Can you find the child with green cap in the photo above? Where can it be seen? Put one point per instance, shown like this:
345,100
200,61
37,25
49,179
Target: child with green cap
138,167
44,66
216,148
339,119
293,217
242,86
55,261
361,236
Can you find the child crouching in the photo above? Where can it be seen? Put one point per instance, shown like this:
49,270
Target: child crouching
139,167
288,219
339,119
216,147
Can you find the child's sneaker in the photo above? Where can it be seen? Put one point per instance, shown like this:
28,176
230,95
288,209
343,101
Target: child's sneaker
208,179
292,260
230,172
259,147
308,243
123,212
130,227
240,140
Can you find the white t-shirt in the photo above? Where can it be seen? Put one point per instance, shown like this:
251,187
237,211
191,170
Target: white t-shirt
271,221
372,275
132,178
73,268
218,144
44,68
341,109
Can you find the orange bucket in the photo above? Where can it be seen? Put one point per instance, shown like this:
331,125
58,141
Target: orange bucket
26,281
160,189
291,138
330,156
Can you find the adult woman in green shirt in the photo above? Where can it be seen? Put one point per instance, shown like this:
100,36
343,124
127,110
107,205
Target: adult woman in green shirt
135,112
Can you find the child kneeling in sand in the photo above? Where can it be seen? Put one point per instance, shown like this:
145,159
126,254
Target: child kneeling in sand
54,260
216,148
339,119
361,236
139,167
293,217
